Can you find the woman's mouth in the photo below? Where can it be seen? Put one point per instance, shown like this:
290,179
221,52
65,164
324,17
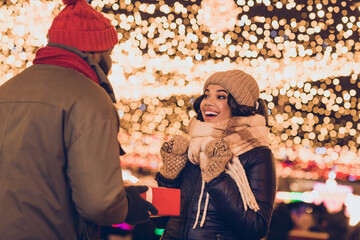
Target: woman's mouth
210,114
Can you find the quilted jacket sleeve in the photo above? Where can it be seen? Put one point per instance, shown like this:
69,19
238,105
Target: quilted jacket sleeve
259,166
169,183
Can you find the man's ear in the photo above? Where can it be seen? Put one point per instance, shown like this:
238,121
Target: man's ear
95,56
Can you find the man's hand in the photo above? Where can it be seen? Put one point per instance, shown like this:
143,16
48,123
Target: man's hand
139,209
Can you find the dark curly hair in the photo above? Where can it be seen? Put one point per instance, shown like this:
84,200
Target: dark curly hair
235,108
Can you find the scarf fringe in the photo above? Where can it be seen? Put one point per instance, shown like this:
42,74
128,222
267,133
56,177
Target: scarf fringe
237,172
203,218
199,204
205,210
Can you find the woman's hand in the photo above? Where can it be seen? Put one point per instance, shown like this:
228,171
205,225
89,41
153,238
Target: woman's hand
218,154
174,156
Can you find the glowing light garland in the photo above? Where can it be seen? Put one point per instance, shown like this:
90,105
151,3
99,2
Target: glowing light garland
270,73
218,15
167,50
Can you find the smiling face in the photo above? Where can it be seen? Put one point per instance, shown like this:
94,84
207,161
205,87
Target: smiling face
214,106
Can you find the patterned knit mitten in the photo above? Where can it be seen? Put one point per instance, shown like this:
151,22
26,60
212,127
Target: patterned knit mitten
218,154
174,156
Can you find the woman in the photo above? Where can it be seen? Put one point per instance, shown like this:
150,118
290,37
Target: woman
226,172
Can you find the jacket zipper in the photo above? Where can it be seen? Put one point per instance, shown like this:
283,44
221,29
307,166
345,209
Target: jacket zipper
185,229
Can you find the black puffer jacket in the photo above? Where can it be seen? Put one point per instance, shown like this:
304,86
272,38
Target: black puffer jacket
226,217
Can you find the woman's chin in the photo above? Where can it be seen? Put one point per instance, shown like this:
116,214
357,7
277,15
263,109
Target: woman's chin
214,119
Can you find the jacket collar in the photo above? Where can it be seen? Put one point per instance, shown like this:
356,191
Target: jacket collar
103,80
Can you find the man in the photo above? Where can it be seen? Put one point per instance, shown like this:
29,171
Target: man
60,174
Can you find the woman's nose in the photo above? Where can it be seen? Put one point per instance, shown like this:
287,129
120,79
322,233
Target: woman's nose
208,102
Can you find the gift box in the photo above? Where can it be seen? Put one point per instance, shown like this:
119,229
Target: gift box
307,235
166,200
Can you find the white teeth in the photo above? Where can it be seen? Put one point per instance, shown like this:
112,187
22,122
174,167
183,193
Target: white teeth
211,113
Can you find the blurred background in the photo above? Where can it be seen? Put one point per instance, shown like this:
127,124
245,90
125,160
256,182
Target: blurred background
305,55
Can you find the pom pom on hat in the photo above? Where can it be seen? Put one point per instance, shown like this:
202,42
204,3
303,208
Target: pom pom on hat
68,2
79,25
242,86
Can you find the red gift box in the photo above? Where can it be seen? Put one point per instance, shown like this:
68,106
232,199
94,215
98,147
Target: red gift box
166,200
307,235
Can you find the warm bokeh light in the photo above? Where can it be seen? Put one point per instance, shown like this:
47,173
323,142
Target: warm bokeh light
306,59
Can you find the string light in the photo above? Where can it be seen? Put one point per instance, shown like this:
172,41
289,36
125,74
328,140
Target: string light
306,59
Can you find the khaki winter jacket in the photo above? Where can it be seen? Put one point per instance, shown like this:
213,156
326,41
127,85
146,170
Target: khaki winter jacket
59,156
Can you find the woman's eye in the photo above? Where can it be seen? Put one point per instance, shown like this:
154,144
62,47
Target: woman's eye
221,97
206,96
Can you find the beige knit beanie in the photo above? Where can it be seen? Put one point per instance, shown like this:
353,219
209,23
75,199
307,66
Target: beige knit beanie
242,86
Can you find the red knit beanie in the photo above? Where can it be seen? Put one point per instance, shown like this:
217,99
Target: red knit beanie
79,25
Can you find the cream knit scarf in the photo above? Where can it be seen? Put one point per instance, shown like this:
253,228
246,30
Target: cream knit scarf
243,134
